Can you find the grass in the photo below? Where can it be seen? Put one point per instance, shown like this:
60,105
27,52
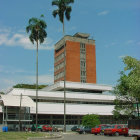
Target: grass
19,135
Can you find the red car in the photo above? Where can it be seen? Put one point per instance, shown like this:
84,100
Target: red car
114,130
46,128
98,129
124,130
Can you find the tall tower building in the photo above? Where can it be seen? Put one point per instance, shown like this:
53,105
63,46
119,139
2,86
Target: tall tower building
80,59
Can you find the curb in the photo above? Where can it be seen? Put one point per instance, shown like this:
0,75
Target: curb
45,138
53,136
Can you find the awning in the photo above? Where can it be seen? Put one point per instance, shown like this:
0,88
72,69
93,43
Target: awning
11,100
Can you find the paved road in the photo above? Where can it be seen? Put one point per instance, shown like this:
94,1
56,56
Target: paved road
92,137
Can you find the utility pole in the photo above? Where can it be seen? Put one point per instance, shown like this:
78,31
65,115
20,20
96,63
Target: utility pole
20,112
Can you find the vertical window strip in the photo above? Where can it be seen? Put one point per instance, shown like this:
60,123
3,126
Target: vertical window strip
83,62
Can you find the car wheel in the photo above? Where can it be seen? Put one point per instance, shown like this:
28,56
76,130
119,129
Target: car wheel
101,133
84,132
125,135
39,130
95,134
116,134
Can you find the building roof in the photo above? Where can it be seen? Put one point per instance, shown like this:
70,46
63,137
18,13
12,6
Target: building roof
59,95
10,100
77,86
81,35
52,93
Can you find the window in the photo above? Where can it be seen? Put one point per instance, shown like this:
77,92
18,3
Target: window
83,62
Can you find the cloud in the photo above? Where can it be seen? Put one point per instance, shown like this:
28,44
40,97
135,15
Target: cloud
111,44
132,43
122,56
8,83
12,70
129,42
138,43
10,39
103,13
42,79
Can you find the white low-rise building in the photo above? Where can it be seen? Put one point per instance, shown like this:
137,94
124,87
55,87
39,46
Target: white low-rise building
81,99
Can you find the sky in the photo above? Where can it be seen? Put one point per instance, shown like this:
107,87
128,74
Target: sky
113,24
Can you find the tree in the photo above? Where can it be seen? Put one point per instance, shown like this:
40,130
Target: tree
63,8
90,120
2,92
37,31
127,90
28,86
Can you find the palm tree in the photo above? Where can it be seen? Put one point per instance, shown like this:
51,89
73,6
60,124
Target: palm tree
36,28
63,8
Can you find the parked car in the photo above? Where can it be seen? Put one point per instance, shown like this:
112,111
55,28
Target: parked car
57,129
33,128
124,130
103,128
46,128
99,129
113,130
74,128
84,130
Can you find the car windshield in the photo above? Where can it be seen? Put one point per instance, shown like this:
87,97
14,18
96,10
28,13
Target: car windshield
97,126
113,126
104,127
125,126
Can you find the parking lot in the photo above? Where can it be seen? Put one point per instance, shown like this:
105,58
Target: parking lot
92,137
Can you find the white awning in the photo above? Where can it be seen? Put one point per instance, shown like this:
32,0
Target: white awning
12,100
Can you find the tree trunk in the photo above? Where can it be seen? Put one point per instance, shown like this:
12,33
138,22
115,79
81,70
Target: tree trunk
64,80
37,86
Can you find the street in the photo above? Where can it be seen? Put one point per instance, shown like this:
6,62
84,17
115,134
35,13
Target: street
92,137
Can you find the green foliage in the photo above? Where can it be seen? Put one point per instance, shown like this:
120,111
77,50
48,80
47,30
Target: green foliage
90,120
63,8
29,86
36,28
2,92
128,88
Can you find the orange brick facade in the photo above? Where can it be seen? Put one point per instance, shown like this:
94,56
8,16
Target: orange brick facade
91,63
73,62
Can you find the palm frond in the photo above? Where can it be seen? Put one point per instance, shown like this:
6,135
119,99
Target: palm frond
42,16
67,13
33,20
69,1
36,28
42,24
55,2
55,12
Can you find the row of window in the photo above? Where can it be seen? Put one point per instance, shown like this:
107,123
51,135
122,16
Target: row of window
59,75
83,74
82,47
74,102
59,49
58,117
58,122
59,66
59,57
83,62
82,56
